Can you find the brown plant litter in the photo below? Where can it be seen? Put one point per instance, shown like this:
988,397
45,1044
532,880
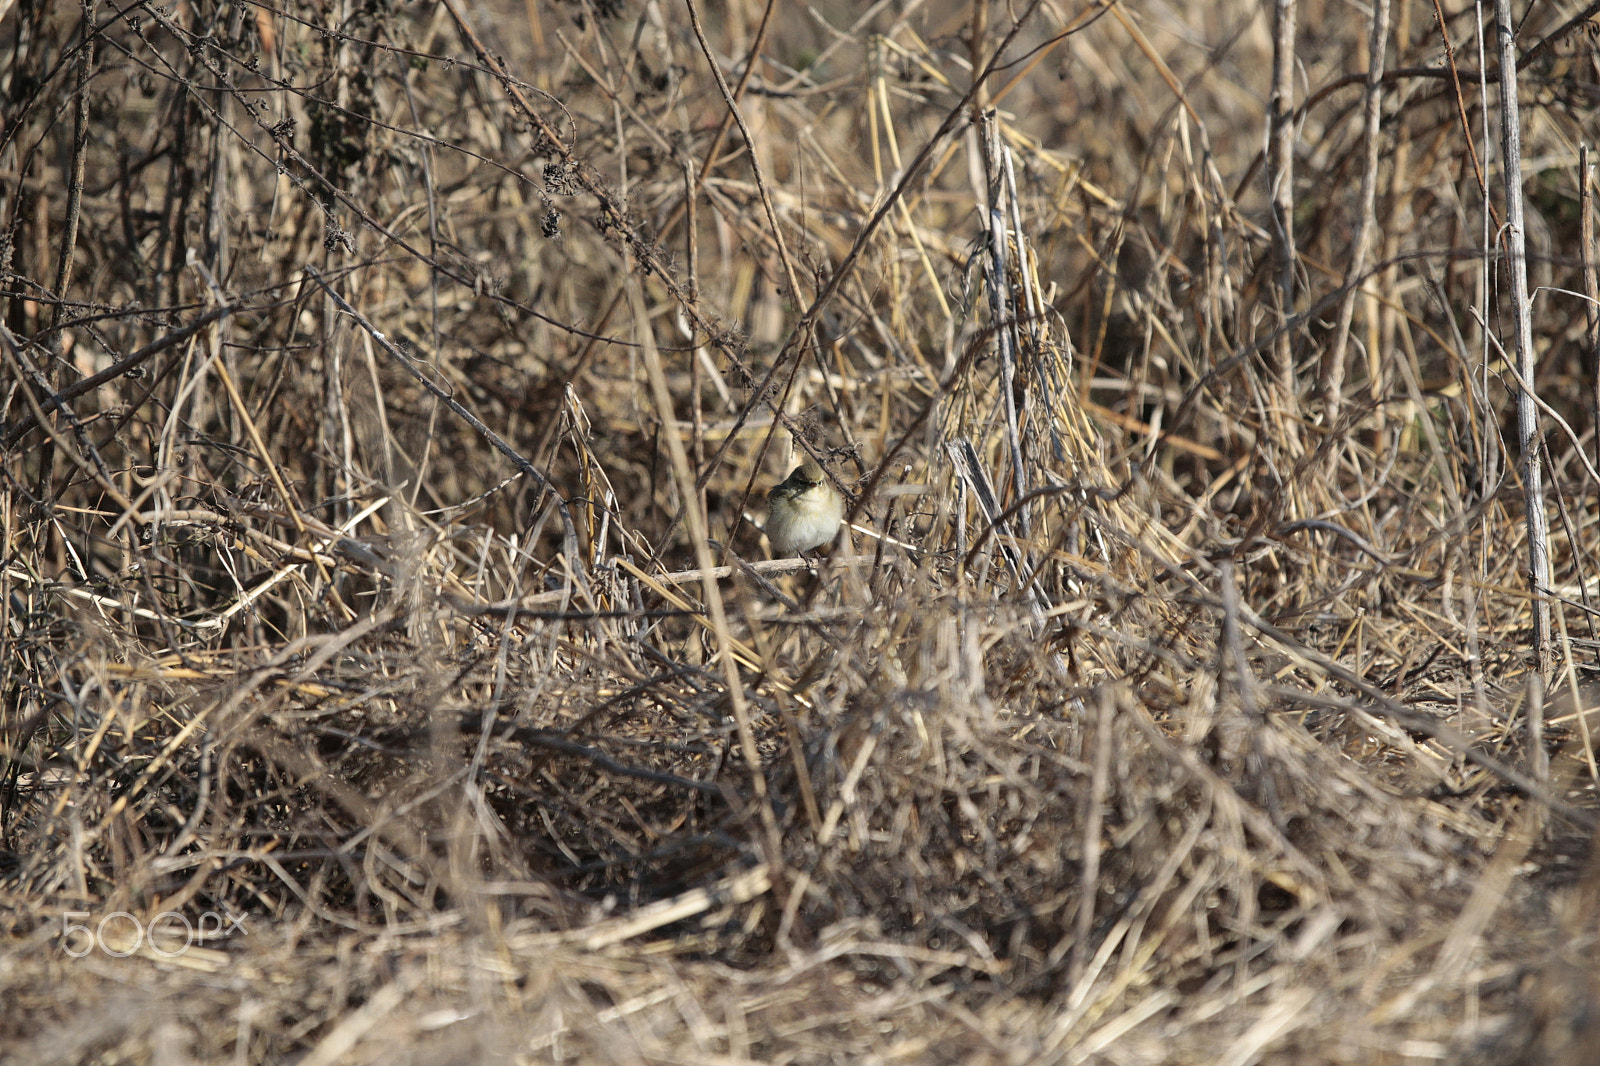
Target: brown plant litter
391,669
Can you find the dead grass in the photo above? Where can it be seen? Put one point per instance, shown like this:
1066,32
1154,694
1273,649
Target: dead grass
383,621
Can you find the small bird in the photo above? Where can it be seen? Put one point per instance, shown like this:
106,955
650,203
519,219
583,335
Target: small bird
804,512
